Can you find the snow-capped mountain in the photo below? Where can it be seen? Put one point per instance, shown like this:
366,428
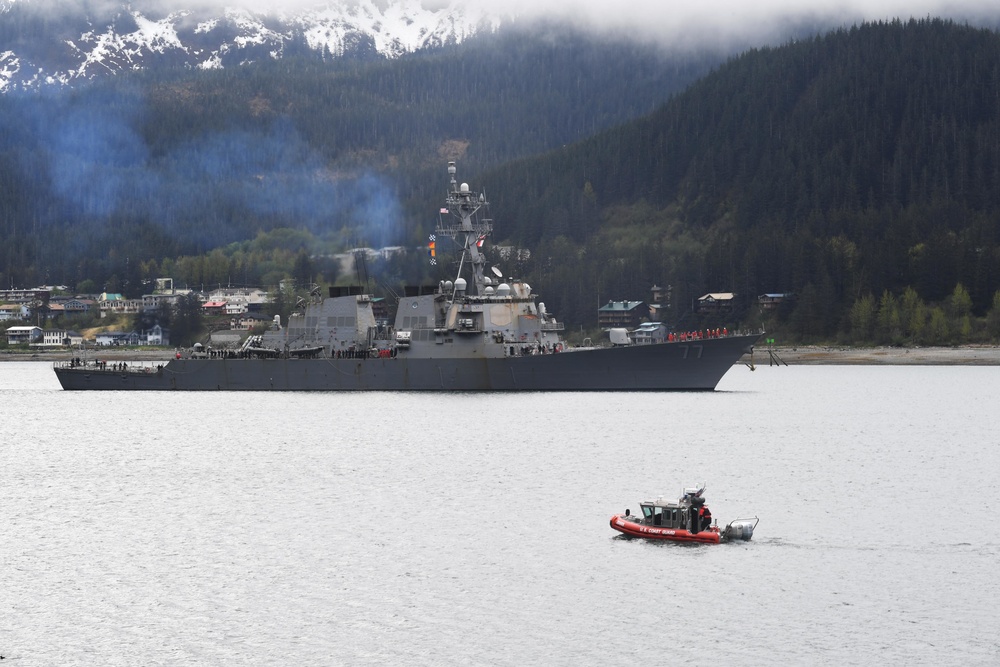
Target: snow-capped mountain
43,44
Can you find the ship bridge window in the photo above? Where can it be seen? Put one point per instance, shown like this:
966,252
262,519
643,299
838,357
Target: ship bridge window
647,512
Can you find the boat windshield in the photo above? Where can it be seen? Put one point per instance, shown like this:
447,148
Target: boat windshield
652,514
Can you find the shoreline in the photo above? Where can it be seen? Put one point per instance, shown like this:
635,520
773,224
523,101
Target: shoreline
792,355
816,355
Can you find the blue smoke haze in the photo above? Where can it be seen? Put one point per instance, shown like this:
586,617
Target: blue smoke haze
208,191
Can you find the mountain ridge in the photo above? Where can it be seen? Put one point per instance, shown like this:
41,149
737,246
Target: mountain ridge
38,50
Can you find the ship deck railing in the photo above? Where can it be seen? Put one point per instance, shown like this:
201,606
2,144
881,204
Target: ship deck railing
691,337
112,367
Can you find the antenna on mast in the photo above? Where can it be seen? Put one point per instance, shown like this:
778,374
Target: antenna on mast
468,226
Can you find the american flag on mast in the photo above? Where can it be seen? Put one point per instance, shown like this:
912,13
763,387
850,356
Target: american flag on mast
480,241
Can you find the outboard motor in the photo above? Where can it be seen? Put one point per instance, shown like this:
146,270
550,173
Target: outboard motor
740,529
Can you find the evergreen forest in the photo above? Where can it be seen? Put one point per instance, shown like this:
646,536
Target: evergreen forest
857,171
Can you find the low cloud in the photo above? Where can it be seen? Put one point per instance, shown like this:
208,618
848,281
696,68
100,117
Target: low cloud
701,24
682,24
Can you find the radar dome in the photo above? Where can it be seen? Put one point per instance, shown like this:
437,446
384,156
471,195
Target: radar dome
488,291
619,336
464,188
504,289
460,285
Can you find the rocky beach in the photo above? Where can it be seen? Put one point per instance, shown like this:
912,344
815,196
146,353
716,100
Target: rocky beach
875,356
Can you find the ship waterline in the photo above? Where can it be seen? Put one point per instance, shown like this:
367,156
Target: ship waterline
663,367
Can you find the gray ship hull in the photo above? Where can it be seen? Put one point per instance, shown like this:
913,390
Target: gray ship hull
675,366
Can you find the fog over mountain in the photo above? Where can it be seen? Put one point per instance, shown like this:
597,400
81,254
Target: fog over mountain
86,37
727,25
679,24
46,42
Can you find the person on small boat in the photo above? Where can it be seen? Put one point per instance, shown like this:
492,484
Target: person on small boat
694,520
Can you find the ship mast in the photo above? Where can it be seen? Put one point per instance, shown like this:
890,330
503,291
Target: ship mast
464,225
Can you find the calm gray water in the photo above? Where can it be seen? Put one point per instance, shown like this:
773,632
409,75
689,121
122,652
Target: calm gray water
463,529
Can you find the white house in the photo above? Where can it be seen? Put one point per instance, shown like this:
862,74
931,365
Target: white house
22,335
650,332
156,336
109,338
237,305
14,311
120,307
61,338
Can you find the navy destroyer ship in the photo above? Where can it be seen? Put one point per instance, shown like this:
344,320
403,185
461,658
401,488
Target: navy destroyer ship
483,332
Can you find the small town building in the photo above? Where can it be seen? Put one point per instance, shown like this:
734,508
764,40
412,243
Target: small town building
247,321
78,306
116,304
61,338
214,307
628,314
151,302
660,302
24,335
25,295
771,301
237,305
716,302
116,338
155,336
14,311
650,332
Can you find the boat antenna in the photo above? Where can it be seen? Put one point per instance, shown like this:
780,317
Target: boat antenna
468,225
